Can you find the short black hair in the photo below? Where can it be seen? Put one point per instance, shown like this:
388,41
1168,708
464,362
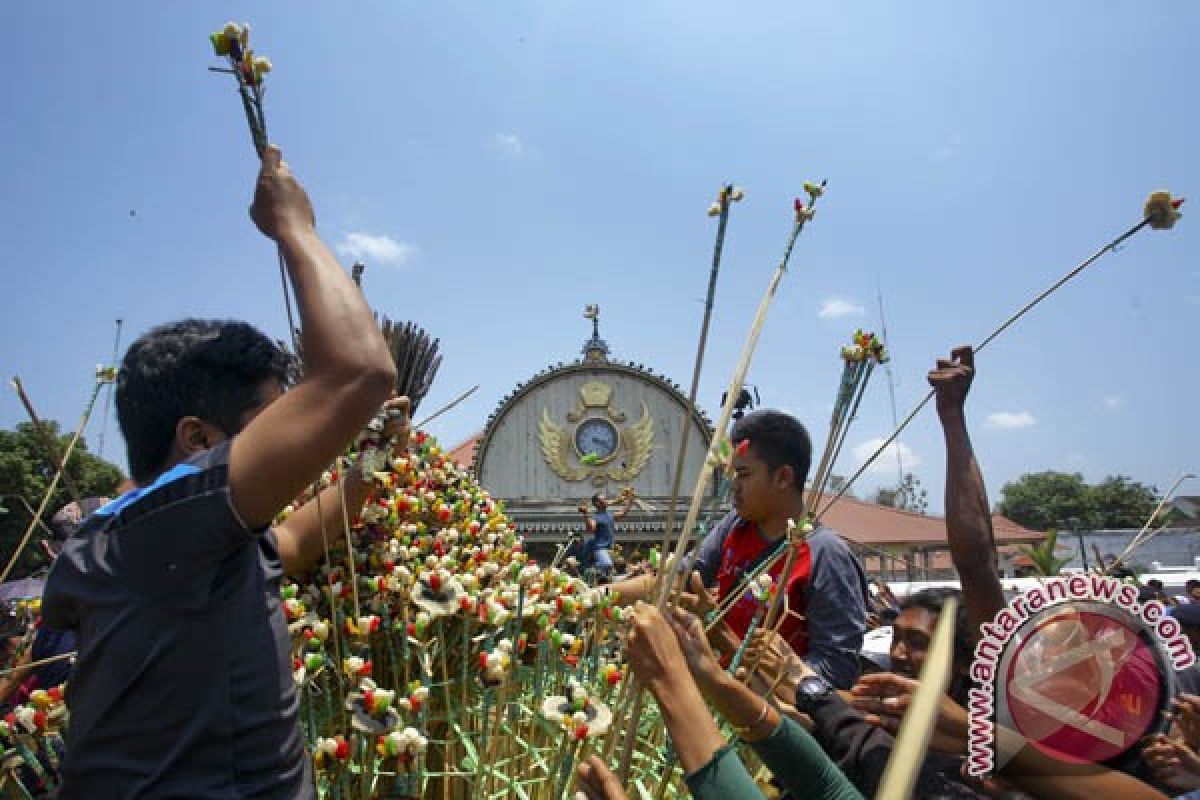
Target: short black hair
1192,584
777,438
1155,583
933,600
211,369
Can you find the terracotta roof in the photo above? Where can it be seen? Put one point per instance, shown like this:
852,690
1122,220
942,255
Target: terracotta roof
940,559
873,524
463,453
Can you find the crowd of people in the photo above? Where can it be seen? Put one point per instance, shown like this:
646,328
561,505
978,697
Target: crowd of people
170,593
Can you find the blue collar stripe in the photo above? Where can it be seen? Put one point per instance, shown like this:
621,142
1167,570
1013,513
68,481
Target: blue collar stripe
129,498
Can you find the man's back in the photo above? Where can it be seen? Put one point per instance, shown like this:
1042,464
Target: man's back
182,686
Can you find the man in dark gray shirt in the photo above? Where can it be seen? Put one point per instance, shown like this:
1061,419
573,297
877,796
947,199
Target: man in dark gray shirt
834,596
183,686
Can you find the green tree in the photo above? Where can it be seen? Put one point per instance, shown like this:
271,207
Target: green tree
1044,500
1121,502
26,471
1044,559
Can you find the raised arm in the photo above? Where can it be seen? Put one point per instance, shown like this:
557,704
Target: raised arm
968,518
348,372
629,497
712,768
794,757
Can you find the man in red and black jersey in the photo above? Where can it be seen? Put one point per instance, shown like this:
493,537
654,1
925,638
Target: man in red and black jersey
827,587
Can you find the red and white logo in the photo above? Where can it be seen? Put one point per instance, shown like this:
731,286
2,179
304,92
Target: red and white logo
1083,686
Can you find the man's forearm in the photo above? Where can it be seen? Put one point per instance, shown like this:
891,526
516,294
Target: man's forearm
632,590
741,706
694,732
969,524
339,331
305,534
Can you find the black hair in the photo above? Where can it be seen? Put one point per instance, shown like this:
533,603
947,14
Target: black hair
933,600
211,369
1155,583
778,439
595,497
1193,583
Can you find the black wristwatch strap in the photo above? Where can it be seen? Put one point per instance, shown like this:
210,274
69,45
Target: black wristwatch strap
811,690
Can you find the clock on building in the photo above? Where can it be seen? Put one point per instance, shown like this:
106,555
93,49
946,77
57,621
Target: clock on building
597,438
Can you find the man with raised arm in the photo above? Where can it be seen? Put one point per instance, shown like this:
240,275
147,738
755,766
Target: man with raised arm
968,518
183,686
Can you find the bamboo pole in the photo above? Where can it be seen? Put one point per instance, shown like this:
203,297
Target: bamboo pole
723,201
1009,322
57,462
912,740
33,523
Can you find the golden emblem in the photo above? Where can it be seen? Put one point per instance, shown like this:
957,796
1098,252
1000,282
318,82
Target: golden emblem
599,447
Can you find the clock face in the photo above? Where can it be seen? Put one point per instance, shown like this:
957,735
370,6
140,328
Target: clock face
596,438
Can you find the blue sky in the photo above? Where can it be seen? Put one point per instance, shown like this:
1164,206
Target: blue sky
499,165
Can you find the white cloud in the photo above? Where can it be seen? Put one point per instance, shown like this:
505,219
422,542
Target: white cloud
1010,420
510,144
835,307
886,462
1113,401
374,249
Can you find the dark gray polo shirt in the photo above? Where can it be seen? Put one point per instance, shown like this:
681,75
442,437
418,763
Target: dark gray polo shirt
183,686
835,598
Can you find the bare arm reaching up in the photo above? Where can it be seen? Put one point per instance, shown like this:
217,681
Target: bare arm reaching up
348,373
968,519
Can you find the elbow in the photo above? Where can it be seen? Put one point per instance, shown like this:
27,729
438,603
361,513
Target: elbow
379,378
358,390
373,380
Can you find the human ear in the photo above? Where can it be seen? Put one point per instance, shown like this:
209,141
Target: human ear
194,435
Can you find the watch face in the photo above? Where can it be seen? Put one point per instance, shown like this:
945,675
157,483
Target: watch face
596,438
812,687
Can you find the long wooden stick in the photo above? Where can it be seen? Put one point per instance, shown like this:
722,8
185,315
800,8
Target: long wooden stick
56,461
87,413
108,395
1138,540
735,388
29,510
43,662
900,774
665,581
446,407
701,345
1087,262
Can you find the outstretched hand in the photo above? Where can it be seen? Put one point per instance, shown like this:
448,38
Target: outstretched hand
597,782
1187,716
885,697
698,599
397,426
951,379
281,206
1173,762
693,642
653,651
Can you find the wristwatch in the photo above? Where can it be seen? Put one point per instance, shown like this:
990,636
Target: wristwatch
811,690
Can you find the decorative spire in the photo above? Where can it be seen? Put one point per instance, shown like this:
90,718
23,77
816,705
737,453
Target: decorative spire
595,350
